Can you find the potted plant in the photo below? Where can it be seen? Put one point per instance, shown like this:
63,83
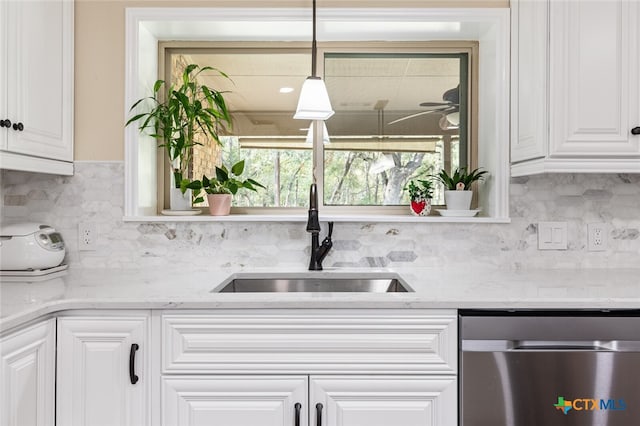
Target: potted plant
458,193
420,192
179,116
223,186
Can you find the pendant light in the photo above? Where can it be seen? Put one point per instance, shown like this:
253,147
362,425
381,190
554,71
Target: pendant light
311,134
314,101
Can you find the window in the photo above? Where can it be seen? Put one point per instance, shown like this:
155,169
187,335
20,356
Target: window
264,132
401,114
489,128
380,137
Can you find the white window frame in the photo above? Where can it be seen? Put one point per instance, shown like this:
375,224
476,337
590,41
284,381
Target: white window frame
490,27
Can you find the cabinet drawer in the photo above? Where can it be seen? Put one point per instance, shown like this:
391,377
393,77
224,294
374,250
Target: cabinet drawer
310,341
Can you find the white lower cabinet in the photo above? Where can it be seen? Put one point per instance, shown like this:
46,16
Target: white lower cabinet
385,400
234,400
102,375
244,367
344,367
331,401
27,376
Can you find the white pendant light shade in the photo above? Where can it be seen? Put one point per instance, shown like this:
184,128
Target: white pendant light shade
325,135
314,103
454,118
449,121
384,163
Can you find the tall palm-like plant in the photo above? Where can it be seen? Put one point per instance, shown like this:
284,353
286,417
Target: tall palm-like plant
180,114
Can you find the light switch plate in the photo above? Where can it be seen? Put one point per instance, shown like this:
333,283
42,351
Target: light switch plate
552,235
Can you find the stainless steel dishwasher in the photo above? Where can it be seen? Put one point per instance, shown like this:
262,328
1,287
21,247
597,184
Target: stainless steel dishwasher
538,368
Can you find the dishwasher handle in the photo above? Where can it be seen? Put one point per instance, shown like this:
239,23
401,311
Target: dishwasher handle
552,345
537,345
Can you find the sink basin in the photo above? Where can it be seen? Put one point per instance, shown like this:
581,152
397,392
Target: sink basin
313,284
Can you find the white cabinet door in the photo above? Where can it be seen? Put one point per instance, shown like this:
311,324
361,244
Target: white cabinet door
575,86
529,80
234,400
37,84
384,400
595,77
27,376
94,385
4,114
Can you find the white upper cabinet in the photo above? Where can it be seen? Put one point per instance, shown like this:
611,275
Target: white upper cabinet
27,376
576,86
36,82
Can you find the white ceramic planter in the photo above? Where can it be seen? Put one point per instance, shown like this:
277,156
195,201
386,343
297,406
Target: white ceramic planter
178,200
458,200
219,204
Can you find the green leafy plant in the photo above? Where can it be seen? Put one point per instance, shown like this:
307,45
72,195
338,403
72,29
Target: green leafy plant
419,189
460,179
180,114
226,181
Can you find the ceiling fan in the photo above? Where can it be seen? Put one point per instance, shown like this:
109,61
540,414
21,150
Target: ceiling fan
449,108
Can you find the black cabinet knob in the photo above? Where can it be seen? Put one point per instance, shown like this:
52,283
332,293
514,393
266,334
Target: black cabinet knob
18,127
5,123
635,131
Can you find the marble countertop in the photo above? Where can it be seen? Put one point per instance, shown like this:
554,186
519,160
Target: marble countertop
451,288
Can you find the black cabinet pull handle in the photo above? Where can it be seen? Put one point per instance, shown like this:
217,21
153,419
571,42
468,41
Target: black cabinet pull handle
319,407
297,407
5,123
635,131
132,363
18,127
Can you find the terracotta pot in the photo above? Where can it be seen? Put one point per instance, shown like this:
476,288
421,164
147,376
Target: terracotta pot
458,200
420,206
219,204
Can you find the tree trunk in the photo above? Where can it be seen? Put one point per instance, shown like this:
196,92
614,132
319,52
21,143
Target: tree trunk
397,177
347,167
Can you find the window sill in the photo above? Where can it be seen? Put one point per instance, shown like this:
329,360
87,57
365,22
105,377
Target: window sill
280,218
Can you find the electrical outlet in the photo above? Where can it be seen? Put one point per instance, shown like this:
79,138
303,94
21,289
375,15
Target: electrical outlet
597,234
87,236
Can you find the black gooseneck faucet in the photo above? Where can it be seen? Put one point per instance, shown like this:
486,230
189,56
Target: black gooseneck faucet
318,251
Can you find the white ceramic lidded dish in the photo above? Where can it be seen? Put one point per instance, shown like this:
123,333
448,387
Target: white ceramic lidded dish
30,246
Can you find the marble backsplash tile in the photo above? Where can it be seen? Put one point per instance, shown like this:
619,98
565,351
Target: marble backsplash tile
95,195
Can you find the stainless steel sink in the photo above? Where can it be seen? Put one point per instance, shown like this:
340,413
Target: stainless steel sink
308,284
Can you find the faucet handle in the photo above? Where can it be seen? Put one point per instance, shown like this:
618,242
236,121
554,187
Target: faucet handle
330,230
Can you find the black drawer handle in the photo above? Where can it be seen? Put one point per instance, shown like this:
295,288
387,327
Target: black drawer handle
635,131
297,407
5,123
18,127
132,363
319,414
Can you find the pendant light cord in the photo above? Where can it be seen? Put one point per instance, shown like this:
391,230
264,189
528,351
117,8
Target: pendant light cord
313,43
